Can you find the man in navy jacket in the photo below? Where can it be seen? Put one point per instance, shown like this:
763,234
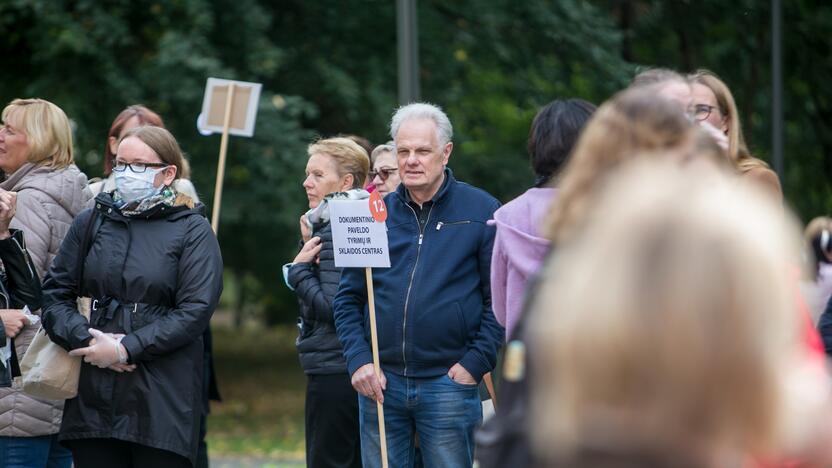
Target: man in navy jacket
436,330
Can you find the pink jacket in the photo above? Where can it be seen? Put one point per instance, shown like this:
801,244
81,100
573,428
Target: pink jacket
518,252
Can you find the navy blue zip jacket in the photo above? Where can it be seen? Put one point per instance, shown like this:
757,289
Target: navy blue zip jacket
433,306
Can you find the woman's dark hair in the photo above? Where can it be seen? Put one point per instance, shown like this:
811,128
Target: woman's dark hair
554,132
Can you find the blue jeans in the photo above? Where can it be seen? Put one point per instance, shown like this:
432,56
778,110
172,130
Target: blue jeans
444,414
34,452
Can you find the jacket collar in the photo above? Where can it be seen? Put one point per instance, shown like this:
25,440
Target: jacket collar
104,203
443,191
11,181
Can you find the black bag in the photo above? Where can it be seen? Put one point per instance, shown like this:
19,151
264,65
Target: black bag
504,439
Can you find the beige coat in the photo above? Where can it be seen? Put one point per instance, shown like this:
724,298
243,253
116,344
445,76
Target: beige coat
47,202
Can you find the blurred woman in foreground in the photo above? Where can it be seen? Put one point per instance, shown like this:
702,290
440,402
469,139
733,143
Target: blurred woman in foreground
686,350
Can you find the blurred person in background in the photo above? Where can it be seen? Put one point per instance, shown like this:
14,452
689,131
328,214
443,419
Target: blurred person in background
818,239
153,269
713,103
632,122
519,248
36,156
134,116
679,360
677,88
385,173
336,168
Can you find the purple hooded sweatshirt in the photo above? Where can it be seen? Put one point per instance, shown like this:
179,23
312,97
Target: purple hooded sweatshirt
518,252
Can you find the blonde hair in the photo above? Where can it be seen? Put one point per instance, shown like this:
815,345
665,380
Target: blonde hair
47,130
163,143
633,120
669,321
737,149
349,157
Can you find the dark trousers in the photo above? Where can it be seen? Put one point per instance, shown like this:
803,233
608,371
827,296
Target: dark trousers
332,431
109,453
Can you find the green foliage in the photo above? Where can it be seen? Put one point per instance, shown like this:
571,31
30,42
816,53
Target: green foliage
735,42
263,391
330,66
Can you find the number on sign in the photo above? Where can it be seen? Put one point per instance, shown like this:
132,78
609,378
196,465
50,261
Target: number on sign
377,208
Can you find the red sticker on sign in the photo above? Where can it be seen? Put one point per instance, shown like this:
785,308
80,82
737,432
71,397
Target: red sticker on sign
377,208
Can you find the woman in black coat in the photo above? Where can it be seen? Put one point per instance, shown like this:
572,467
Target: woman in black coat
335,165
152,266
19,287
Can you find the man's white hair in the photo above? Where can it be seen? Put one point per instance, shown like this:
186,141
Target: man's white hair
423,110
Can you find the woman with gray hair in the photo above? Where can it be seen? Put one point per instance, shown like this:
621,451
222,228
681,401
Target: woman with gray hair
385,173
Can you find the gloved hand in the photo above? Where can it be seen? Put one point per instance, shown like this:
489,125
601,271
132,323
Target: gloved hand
104,350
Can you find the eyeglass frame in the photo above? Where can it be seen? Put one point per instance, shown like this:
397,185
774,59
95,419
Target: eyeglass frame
695,108
383,173
132,166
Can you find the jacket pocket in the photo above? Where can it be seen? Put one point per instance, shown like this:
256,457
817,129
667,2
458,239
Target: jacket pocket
447,224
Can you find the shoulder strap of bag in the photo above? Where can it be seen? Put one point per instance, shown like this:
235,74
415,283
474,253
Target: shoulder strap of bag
86,242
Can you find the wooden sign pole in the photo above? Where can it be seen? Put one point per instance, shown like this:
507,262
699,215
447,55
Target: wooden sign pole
215,213
376,366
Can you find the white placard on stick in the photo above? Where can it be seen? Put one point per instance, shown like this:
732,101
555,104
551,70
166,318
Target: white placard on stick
243,108
357,239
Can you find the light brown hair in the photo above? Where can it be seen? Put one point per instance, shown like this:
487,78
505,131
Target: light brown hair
668,320
162,143
737,149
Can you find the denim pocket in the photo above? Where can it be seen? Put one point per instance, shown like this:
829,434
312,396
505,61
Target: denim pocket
461,385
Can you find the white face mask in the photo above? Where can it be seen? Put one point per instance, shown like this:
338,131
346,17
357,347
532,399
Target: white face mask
132,186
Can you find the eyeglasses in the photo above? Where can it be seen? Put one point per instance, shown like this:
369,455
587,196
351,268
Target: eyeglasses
701,112
136,168
383,173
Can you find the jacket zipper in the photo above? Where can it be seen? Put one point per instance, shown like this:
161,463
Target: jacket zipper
410,284
440,224
22,249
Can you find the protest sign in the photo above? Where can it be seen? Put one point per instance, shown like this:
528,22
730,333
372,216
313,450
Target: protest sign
229,107
357,238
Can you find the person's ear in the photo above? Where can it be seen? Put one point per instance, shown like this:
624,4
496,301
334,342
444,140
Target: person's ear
724,124
446,152
348,182
113,142
165,177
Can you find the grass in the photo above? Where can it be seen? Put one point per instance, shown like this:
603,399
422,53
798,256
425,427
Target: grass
262,387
